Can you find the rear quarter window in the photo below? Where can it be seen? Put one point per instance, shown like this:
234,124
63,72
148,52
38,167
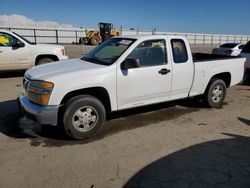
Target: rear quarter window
179,51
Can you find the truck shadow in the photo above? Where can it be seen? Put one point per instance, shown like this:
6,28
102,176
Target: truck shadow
12,74
12,125
246,121
218,164
9,120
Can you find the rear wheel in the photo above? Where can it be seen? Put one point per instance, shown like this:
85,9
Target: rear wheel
215,93
84,117
95,40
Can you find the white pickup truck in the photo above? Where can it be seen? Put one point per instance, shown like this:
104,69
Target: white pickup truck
122,73
17,53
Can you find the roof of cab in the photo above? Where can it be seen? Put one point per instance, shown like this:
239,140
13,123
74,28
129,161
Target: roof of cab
145,37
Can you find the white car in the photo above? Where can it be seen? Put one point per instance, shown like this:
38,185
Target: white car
229,49
122,73
17,53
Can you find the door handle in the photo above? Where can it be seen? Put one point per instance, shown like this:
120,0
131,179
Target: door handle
164,71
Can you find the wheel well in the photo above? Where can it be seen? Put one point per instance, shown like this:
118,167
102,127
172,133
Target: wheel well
54,57
98,92
226,77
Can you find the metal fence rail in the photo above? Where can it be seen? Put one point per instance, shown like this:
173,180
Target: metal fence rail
65,35
44,35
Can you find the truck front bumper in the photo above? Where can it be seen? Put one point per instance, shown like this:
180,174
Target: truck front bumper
40,114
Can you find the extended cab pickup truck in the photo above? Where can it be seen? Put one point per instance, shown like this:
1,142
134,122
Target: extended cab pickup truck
122,73
17,53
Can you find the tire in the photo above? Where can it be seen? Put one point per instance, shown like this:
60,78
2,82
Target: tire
246,79
81,40
44,61
215,93
83,117
95,40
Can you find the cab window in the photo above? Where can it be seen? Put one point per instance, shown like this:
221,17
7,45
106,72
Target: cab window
150,53
241,47
7,40
179,51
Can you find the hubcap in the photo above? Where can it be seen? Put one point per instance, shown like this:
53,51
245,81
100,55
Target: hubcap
85,119
217,94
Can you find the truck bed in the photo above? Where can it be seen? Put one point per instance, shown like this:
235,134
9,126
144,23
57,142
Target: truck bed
200,57
211,65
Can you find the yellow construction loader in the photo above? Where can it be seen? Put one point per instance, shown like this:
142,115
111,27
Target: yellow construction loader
95,37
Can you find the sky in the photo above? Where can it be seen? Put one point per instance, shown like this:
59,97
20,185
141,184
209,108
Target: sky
195,16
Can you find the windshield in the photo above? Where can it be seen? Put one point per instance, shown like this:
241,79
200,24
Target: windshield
26,40
109,51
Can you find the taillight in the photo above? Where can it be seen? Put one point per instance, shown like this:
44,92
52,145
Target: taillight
63,51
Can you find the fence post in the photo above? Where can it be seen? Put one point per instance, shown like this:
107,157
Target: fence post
227,38
121,30
220,39
212,39
241,39
56,36
76,37
234,38
34,31
204,39
137,31
154,31
194,39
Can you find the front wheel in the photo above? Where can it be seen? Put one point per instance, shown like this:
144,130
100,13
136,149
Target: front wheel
84,117
215,93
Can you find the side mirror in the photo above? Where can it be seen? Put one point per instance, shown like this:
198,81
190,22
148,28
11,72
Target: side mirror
130,63
18,44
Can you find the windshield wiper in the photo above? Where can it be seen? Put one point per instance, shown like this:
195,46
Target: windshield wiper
94,60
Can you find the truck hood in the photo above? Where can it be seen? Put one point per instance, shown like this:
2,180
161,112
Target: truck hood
62,69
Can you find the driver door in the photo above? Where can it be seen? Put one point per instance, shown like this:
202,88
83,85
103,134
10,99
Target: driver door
150,82
12,57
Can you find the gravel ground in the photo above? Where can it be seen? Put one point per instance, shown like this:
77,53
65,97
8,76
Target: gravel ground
177,144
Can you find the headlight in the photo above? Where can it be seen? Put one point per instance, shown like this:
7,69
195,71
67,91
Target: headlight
39,92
